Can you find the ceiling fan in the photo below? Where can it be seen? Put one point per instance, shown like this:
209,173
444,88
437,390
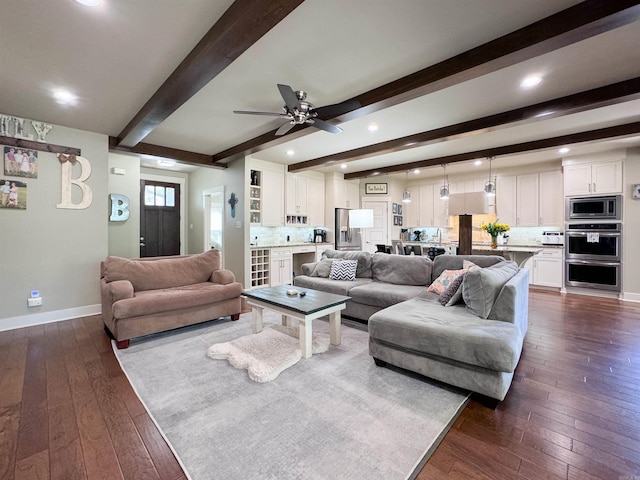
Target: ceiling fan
298,111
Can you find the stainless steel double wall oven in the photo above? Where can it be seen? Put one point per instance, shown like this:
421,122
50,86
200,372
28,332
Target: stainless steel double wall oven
593,242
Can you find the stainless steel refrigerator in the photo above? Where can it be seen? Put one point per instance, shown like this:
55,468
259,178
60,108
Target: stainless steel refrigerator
346,238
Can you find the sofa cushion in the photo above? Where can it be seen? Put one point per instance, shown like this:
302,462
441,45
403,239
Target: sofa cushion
481,286
456,262
423,325
363,258
164,272
343,270
401,269
382,295
440,284
148,302
339,287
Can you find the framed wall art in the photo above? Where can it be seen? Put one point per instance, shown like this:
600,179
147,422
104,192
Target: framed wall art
375,188
20,162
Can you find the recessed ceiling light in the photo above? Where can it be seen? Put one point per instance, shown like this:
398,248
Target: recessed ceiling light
64,97
531,81
343,166
564,150
416,171
89,3
166,163
290,152
477,162
373,127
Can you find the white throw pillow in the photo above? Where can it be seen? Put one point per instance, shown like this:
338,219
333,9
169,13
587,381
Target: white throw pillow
343,270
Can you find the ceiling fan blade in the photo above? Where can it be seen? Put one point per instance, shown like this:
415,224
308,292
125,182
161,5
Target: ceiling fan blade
285,128
322,125
333,111
289,97
271,114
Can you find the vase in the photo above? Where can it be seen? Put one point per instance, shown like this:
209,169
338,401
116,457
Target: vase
494,241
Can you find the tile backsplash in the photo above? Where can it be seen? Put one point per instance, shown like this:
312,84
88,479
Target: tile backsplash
278,235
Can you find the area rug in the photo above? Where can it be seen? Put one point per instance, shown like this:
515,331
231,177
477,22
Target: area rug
267,354
331,416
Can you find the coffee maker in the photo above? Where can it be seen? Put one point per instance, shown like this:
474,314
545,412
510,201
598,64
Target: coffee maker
319,235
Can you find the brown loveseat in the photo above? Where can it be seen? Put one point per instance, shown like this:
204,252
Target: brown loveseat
151,295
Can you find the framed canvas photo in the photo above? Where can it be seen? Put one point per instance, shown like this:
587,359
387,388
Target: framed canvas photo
399,209
636,191
375,188
395,219
20,162
400,221
14,194
394,208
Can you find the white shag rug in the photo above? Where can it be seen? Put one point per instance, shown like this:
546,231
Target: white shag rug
266,354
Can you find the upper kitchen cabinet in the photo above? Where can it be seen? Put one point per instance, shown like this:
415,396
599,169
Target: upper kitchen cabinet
506,200
272,199
594,178
527,200
347,194
304,199
530,200
425,207
551,199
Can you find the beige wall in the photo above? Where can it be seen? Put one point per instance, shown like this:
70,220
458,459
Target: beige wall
232,179
124,237
56,251
631,228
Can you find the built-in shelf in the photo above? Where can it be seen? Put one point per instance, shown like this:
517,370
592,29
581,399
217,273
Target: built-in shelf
260,267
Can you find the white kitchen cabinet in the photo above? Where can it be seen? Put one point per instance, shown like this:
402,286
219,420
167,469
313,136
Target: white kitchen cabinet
315,201
440,209
425,206
593,178
551,199
547,268
296,194
347,194
526,200
281,267
272,199
411,210
506,200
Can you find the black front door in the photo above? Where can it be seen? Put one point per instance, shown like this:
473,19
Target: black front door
159,218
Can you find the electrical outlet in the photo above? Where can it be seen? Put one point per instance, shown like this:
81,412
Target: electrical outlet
34,302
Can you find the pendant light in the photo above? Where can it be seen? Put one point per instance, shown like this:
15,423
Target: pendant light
406,196
490,186
444,189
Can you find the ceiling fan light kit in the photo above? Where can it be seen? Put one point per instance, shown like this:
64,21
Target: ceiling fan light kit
298,111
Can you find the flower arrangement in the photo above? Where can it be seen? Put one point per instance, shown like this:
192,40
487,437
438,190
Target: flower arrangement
495,228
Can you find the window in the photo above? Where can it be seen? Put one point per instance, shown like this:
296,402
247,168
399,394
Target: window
159,196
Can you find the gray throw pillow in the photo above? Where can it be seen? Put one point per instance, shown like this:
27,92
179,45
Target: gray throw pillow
481,286
322,268
453,293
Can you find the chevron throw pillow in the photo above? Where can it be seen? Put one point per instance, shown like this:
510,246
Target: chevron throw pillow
343,270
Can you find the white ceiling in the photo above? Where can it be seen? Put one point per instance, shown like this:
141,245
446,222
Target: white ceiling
116,56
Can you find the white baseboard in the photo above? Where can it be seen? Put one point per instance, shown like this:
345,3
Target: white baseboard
48,317
631,297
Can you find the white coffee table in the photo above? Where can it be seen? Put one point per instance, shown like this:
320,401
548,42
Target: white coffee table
312,305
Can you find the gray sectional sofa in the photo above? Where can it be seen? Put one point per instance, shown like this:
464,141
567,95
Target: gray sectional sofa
474,344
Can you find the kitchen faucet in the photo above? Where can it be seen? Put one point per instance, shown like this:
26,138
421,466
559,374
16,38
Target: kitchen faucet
437,235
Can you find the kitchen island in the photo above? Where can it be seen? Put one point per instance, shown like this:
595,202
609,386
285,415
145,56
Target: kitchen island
516,253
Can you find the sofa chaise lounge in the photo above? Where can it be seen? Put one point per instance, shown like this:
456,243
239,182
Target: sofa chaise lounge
472,341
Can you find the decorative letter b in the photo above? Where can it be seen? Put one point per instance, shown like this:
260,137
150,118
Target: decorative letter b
66,163
119,210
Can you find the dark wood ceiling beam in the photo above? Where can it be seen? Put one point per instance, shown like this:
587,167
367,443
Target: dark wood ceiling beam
579,102
573,138
243,24
159,152
564,28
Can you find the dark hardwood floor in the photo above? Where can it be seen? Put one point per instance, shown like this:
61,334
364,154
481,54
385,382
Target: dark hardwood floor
573,412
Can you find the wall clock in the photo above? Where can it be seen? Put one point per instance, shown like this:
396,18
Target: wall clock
636,191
